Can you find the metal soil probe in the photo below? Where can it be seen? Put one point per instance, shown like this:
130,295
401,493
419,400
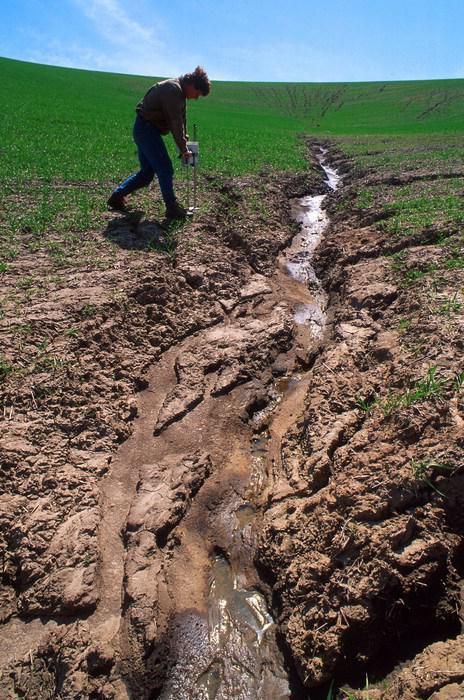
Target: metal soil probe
192,162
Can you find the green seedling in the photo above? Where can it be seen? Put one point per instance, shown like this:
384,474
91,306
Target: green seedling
458,382
425,388
43,345
22,329
89,310
398,260
42,392
392,403
404,324
50,362
349,695
416,273
449,307
26,283
4,267
443,239
330,695
455,263
55,248
365,199
5,369
9,253
429,387
72,332
34,246
367,405
168,244
424,469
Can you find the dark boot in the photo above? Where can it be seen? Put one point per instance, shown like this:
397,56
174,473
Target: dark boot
175,211
117,202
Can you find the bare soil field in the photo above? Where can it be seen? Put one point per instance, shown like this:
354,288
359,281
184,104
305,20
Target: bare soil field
204,495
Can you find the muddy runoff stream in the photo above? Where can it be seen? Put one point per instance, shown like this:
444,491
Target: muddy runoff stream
188,489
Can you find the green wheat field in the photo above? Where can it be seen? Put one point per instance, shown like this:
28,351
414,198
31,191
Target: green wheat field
66,140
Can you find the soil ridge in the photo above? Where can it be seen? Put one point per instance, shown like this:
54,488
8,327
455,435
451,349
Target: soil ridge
365,559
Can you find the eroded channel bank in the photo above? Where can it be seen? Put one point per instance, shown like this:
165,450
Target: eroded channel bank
364,554
196,620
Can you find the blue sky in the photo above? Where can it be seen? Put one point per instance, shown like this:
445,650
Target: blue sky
293,40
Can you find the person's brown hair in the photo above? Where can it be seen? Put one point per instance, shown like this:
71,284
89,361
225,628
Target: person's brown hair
199,79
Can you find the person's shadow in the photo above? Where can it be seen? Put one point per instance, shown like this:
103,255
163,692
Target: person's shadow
129,230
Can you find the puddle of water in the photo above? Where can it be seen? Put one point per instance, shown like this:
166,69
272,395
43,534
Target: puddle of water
301,271
260,418
192,668
258,474
242,632
210,680
300,254
259,445
310,213
285,384
232,606
312,315
245,515
333,176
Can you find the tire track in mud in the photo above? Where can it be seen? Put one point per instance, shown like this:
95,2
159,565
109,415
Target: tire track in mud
180,597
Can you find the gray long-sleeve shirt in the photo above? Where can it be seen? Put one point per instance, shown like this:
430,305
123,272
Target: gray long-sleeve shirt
164,106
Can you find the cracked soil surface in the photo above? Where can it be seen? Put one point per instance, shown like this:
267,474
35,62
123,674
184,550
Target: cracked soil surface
169,425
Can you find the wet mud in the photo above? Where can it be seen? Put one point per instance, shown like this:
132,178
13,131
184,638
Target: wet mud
223,401
197,504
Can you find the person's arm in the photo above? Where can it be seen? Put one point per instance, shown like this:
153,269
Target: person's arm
173,107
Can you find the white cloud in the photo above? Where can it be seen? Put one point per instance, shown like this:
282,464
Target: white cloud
77,55
145,49
123,45
114,23
71,55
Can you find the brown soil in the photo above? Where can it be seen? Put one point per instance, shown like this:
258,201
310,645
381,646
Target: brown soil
142,392
365,557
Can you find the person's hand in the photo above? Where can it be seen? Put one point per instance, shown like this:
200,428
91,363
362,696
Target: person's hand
186,156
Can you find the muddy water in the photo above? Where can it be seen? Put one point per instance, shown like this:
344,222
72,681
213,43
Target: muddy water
310,213
247,663
215,636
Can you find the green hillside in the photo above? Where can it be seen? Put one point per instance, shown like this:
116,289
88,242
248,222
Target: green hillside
76,125
66,137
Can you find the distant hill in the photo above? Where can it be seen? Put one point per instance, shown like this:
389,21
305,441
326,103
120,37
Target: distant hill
79,122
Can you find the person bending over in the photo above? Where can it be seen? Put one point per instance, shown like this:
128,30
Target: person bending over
162,110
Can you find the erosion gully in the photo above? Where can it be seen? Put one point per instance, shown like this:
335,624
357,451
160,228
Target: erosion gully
180,597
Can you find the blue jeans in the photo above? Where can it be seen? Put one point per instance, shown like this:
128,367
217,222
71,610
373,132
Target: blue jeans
154,160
